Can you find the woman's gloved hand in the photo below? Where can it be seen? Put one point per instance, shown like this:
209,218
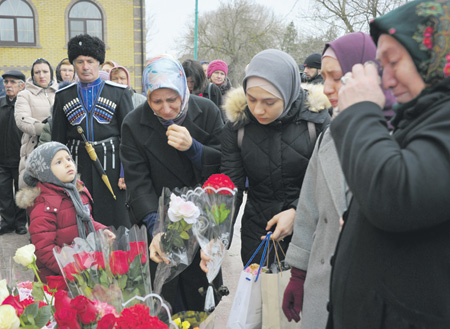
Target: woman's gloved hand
293,295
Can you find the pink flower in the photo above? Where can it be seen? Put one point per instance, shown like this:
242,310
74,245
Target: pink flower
105,309
428,43
180,209
392,31
447,69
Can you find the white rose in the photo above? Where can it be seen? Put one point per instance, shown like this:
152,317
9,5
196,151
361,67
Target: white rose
180,209
8,317
3,290
25,255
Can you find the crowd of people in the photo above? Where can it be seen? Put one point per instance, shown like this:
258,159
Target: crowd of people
346,163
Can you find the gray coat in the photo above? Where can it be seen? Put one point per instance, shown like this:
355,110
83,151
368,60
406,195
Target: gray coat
323,199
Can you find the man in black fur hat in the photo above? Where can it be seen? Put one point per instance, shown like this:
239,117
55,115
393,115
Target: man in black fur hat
99,107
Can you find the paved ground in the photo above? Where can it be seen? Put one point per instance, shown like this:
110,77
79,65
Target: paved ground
231,268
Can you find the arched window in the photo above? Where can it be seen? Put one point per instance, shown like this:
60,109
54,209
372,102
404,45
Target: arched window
16,23
85,18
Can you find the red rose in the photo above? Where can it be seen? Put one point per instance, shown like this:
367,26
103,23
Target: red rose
62,300
70,269
27,302
87,313
84,260
119,262
107,322
137,248
14,301
218,181
99,259
56,282
67,317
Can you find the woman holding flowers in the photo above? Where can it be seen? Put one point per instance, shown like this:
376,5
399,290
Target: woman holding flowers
170,141
272,118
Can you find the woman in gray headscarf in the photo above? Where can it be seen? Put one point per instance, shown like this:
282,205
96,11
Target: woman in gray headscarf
273,124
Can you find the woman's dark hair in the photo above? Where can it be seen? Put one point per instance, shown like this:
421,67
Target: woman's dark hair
194,70
40,61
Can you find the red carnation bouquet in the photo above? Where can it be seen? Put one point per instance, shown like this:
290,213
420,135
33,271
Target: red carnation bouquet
216,199
108,268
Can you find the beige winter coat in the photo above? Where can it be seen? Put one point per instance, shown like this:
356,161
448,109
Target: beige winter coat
33,105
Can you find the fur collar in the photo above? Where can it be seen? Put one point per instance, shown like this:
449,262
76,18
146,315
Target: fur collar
235,102
26,196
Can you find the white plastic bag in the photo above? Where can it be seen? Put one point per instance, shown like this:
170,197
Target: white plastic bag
246,312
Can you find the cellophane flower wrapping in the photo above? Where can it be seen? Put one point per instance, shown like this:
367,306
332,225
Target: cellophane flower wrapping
128,261
105,269
216,200
178,243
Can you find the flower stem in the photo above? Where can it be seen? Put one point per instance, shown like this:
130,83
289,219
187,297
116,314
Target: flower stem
34,268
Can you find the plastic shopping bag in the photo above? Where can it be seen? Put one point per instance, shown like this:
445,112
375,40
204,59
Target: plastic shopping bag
246,312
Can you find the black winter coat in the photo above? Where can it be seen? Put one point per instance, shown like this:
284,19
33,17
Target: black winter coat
151,164
392,263
10,135
101,124
274,157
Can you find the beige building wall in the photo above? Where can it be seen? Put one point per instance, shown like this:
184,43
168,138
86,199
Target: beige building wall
123,30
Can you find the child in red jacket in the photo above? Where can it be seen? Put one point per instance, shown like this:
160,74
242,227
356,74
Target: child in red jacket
57,202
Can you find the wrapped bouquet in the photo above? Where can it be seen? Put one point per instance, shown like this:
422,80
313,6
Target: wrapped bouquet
216,199
178,245
110,270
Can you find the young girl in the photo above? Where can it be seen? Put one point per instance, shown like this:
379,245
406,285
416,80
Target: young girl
57,202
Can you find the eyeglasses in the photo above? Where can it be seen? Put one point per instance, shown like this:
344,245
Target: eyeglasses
11,81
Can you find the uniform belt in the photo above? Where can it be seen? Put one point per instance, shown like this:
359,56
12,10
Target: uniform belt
108,140
75,143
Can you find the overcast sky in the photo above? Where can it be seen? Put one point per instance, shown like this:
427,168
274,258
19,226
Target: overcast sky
171,18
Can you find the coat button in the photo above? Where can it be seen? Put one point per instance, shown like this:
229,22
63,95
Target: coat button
325,220
332,260
329,307
48,208
322,261
55,209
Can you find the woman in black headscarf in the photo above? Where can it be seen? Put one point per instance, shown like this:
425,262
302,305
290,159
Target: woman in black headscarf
391,265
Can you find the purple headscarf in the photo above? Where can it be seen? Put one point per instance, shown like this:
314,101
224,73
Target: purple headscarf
358,48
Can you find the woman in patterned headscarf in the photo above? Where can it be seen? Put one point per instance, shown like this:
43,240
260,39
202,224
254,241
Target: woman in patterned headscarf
391,265
171,141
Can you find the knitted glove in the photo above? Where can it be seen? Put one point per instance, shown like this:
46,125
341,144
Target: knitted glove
293,295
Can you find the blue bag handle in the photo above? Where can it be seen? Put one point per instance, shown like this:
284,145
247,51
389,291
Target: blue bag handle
264,243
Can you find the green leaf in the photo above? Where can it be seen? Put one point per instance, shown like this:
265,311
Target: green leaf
184,236
123,281
30,326
31,310
43,316
104,278
37,291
